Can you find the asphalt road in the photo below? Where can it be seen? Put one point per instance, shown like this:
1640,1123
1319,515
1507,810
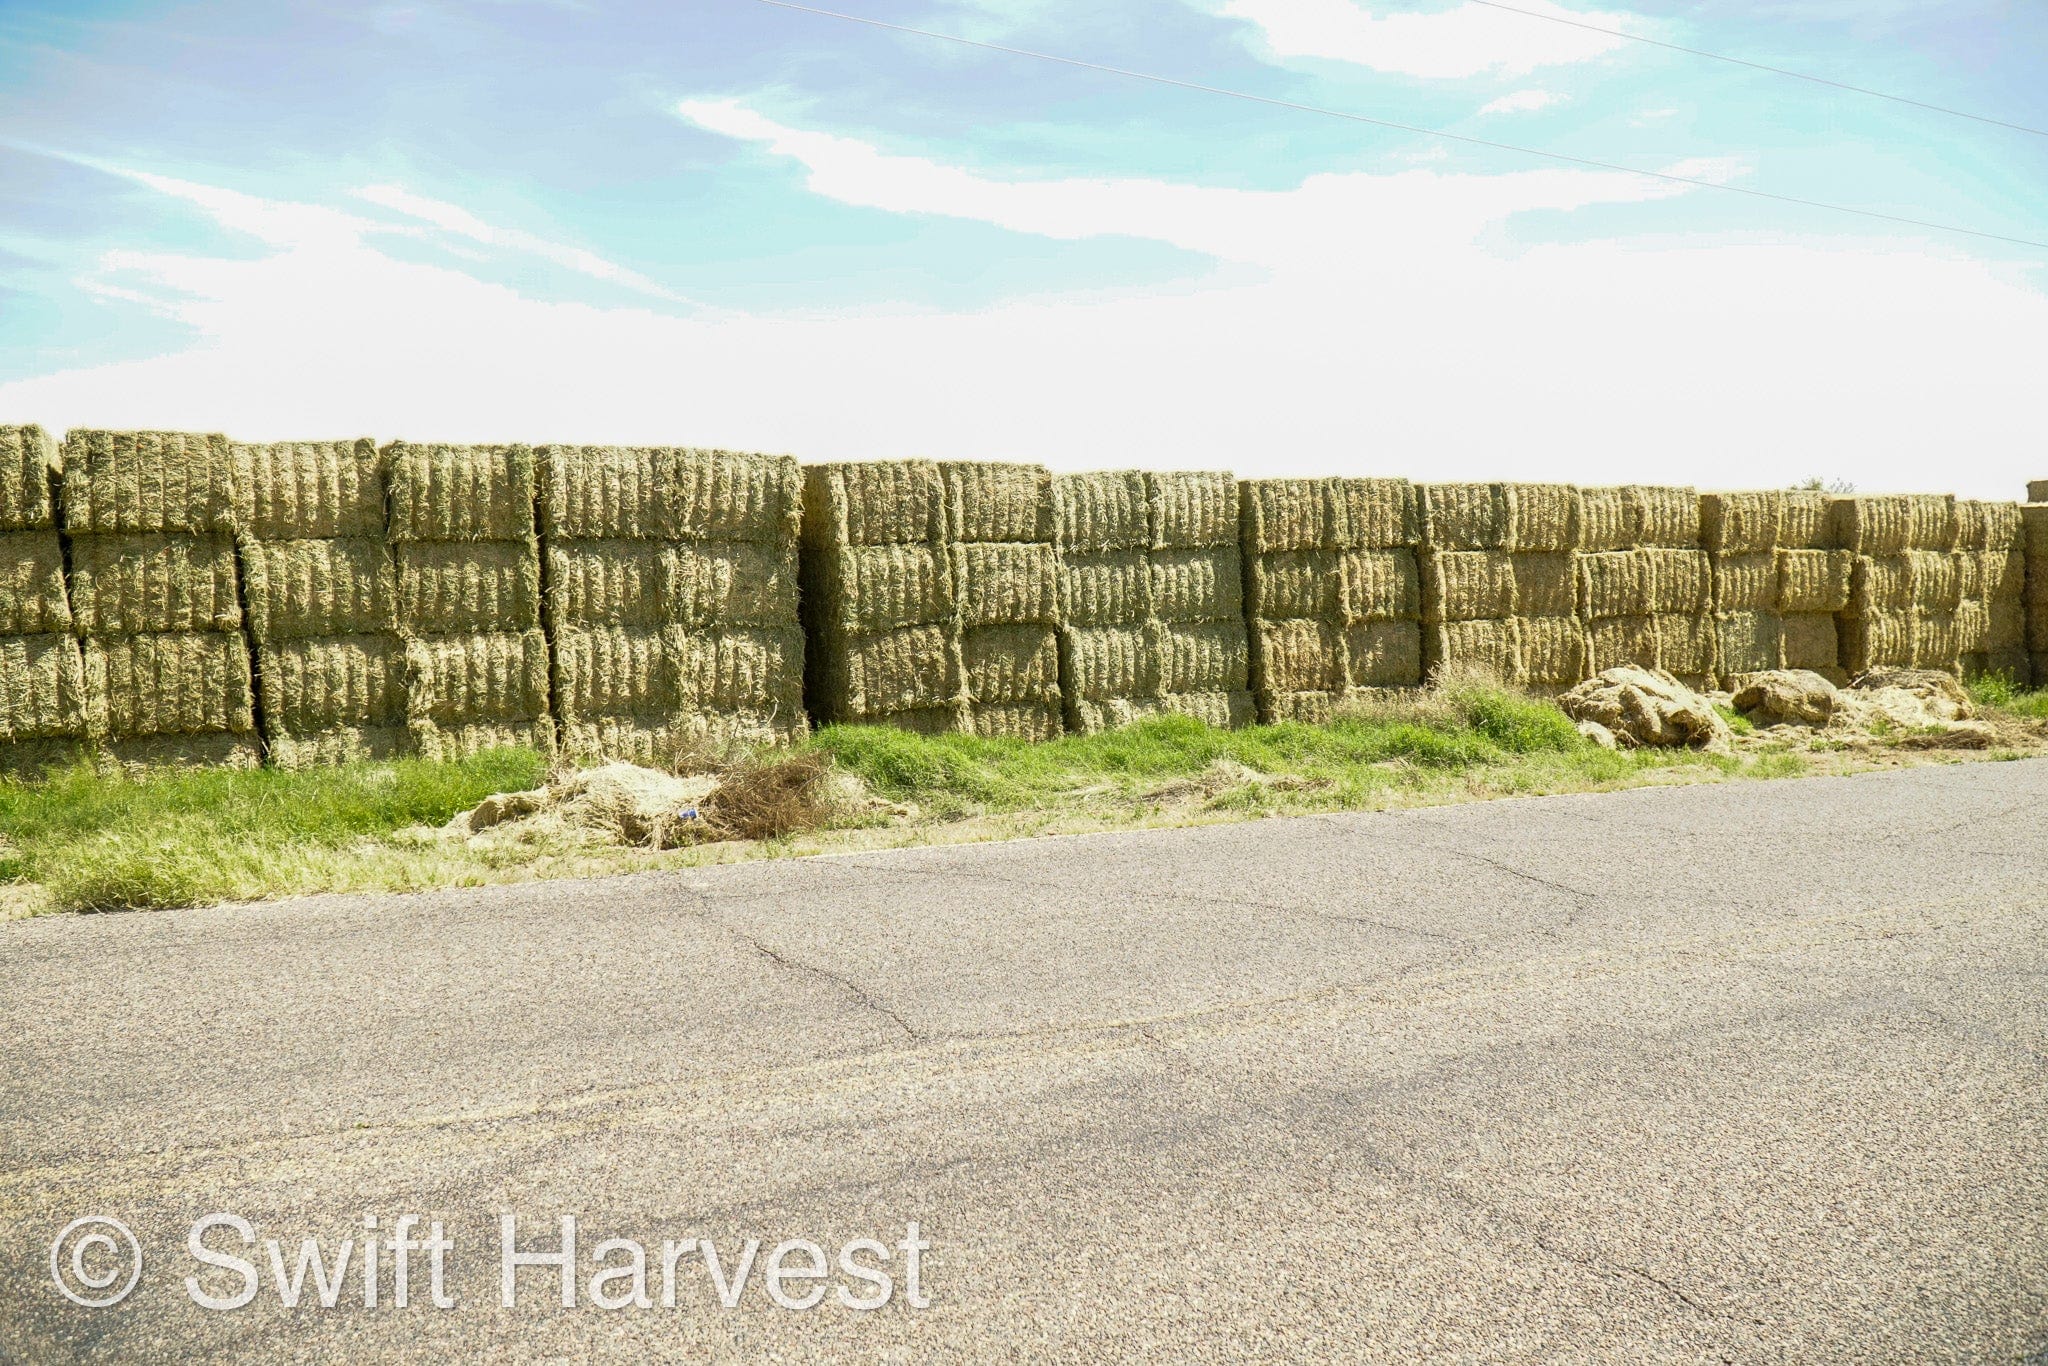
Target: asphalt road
1751,1072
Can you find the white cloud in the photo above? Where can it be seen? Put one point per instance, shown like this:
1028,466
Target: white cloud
1523,102
1649,116
1468,40
1385,325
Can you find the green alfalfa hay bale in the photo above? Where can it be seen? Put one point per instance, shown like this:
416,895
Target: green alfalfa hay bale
741,670
1104,511
1615,583
1202,656
1546,583
144,583
468,587
43,691
1468,517
1553,649
1285,584
310,686
1467,585
864,588
1100,663
625,582
1029,721
30,463
1680,581
302,589
736,496
1670,517
1383,654
1105,587
1609,518
479,677
32,595
1301,655
145,482
605,493
1011,664
1749,642
1193,509
881,502
179,683
613,670
1745,523
734,583
1379,514
1816,580
867,675
1805,521
1546,517
1746,581
1494,646
1000,582
460,493
998,501
305,490
1292,514
1205,583
1378,585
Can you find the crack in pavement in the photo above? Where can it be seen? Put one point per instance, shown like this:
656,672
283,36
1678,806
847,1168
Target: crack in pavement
1613,1270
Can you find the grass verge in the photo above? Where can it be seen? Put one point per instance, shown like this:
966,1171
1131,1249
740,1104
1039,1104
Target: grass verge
82,840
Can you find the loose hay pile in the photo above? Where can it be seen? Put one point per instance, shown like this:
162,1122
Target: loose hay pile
1498,566
43,699
156,595
1151,598
671,598
1776,585
461,526
322,591
1906,588
1335,592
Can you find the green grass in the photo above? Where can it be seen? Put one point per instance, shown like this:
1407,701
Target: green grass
178,837
1999,693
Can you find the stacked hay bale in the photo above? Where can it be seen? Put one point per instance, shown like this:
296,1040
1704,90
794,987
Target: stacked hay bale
156,594
1498,581
1151,598
322,593
1776,587
1991,622
43,713
671,598
1334,591
1004,563
1906,584
1645,585
462,530
882,643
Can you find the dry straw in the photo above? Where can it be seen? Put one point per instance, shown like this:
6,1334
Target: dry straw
29,465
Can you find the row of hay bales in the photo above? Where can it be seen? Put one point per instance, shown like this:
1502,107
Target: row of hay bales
2034,544
170,596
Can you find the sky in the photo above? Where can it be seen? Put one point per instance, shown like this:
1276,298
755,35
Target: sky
724,223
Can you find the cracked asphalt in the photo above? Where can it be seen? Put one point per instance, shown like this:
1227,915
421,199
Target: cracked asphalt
1744,1072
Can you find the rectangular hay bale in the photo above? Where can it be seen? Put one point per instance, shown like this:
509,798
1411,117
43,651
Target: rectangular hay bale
304,490
1205,583
458,680
1811,640
1467,517
304,589
995,501
1105,587
30,462
1104,511
1744,523
145,583
1750,641
1014,663
1193,510
1546,583
1378,585
1291,514
876,502
1815,580
310,686
1467,585
177,683
145,482
33,599
1615,583
43,690
468,587
1746,582
999,582
1380,514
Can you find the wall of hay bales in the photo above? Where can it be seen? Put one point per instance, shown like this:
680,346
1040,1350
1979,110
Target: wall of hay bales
670,598
1500,569
1151,598
1776,583
44,705
1906,584
2034,540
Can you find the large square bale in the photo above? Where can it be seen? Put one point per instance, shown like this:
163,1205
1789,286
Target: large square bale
1201,584
305,490
1292,514
1295,583
753,673
29,464
1105,587
995,501
616,583
143,583
143,482
1745,523
1610,519
184,683
1936,577
1553,650
868,676
480,677
1872,525
1297,656
1202,656
1546,517
606,493
1685,646
1380,514
881,502
1811,641
1377,585
1819,580
1103,663
300,589
33,599
1000,582
880,587
1806,521
1750,641
1746,582
43,693
1015,663
735,496
1384,654
1546,583
1616,583
312,685
1193,509
1670,517
1493,646
1680,581
1029,721
614,670
1467,585
1467,517
1614,641
1877,639
460,493
1106,511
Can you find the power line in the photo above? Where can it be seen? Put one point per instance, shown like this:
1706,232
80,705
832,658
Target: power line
1760,66
1665,176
